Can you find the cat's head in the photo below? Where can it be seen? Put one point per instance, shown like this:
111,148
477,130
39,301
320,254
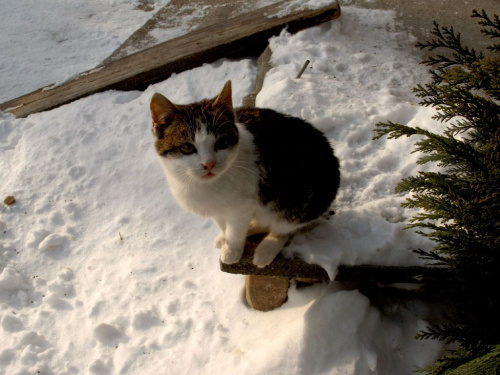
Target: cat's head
196,142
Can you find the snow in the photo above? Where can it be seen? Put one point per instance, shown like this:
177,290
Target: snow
54,41
102,273
296,5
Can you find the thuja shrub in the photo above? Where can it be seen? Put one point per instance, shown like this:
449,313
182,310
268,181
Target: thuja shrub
460,204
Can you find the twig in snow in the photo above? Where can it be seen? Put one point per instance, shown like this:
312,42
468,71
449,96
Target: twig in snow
302,69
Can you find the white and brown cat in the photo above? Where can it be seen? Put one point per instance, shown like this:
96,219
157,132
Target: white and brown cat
251,170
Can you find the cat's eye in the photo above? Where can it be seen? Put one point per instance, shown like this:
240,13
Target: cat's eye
187,148
223,142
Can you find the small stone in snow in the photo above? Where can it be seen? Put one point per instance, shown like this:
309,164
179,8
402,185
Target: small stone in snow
10,200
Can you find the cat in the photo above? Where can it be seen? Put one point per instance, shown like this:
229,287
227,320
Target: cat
251,170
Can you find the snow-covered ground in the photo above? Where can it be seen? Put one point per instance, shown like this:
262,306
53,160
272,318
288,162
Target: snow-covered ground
102,273
51,41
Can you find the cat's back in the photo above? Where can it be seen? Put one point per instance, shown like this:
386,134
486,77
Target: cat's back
300,174
287,140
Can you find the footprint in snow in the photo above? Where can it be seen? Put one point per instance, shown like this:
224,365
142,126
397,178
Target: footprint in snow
62,286
173,307
74,212
145,320
102,367
178,331
56,303
60,289
15,288
12,324
7,356
98,308
57,219
109,335
54,245
76,171
31,346
37,237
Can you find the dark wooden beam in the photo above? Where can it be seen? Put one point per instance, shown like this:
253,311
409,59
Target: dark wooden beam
391,274
246,34
280,266
296,267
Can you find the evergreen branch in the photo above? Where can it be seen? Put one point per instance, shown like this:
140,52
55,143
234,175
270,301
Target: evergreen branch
423,182
393,129
433,256
446,332
447,151
487,22
443,149
454,100
495,23
436,208
447,39
491,33
472,360
494,48
484,364
461,126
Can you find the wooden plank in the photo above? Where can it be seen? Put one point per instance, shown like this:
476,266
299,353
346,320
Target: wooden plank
245,34
296,267
391,274
280,266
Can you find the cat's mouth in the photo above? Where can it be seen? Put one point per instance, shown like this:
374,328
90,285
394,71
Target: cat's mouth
211,174
205,175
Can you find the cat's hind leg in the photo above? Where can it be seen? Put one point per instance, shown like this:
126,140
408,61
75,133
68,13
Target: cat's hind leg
267,250
256,228
219,240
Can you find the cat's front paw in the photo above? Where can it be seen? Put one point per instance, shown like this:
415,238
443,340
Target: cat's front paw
268,249
230,256
263,259
219,240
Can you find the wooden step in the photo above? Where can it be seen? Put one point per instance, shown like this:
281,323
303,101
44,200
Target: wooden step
267,288
295,267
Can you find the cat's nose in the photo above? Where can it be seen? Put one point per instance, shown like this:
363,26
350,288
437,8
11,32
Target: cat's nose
208,164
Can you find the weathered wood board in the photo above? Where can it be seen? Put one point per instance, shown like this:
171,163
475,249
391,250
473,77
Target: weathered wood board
296,267
247,34
280,266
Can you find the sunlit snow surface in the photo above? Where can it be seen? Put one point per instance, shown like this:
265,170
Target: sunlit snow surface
102,273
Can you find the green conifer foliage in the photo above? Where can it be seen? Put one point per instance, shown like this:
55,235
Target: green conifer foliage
460,206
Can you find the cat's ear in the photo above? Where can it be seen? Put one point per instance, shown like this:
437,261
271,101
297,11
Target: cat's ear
224,99
162,113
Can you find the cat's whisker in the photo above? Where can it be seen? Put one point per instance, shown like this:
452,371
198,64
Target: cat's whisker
240,173
248,166
219,126
241,167
216,120
187,178
252,163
